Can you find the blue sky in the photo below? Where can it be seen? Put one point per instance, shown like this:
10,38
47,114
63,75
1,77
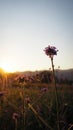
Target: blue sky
28,26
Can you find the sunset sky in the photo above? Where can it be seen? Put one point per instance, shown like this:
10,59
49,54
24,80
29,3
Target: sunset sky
28,26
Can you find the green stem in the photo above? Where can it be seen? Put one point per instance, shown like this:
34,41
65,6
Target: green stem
56,93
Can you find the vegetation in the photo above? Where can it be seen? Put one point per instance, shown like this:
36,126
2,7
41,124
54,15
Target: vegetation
32,105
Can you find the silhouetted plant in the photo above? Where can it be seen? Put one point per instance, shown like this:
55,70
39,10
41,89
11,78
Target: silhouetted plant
51,51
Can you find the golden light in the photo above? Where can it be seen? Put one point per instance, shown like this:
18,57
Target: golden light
8,67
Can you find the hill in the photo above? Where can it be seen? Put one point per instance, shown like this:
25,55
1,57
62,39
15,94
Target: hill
65,74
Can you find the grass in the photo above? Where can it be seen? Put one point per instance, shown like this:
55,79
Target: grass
42,107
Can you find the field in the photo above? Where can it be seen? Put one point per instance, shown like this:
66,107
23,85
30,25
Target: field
33,106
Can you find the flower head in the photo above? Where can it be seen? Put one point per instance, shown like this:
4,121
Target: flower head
15,116
50,51
27,100
1,94
44,89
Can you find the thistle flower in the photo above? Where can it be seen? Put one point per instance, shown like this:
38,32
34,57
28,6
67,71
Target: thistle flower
50,51
15,116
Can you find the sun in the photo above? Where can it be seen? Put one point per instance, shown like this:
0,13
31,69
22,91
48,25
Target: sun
8,67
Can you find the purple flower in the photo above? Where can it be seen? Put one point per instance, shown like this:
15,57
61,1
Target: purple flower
44,89
15,116
1,94
27,100
50,51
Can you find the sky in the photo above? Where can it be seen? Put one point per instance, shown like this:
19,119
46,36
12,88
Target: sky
28,26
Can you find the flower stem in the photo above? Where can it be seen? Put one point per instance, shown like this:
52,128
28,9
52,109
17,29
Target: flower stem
56,94
15,124
23,110
40,118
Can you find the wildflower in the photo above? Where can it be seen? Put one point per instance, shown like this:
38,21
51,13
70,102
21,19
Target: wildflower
44,89
15,116
51,51
1,94
27,100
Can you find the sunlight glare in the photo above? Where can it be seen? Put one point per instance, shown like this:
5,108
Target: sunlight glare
8,67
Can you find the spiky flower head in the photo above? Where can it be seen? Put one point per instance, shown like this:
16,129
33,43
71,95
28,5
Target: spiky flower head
51,51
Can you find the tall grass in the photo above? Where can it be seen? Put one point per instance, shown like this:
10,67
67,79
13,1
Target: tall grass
41,102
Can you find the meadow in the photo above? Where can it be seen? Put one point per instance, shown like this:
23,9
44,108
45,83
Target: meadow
29,106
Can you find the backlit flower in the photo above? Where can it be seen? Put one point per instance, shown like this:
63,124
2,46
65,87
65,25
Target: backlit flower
50,51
